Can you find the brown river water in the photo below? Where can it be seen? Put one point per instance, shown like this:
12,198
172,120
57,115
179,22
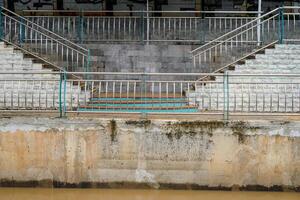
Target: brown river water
99,194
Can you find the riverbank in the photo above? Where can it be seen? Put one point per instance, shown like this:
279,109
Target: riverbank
161,154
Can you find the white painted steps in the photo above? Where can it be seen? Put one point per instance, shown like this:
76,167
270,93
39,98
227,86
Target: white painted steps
256,94
32,91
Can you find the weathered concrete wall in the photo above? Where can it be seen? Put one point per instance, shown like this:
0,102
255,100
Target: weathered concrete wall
141,58
159,154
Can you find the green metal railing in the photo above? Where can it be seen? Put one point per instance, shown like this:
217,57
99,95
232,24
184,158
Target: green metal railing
140,26
280,25
146,94
49,47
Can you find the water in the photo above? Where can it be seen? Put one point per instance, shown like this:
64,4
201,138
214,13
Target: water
100,194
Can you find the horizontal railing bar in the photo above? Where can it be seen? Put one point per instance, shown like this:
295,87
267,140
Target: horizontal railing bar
136,17
41,80
291,7
144,11
139,81
154,74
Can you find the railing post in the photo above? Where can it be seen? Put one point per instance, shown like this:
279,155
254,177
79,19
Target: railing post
226,95
80,27
22,31
88,64
142,28
1,23
144,95
62,94
259,24
281,25
65,94
148,24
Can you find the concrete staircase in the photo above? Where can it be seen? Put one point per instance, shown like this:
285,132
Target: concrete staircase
32,91
140,103
256,93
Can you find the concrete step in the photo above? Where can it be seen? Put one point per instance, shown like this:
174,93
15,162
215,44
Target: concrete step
259,80
287,46
13,67
271,61
281,51
282,57
28,76
267,71
7,50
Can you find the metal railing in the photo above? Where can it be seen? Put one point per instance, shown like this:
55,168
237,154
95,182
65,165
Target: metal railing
157,93
275,26
50,47
142,26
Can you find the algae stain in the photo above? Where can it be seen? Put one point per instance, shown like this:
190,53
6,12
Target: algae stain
239,128
113,130
138,123
191,128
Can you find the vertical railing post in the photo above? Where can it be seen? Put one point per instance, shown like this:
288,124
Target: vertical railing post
1,24
142,28
22,31
62,94
259,24
80,27
226,95
281,25
65,93
88,64
144,95
148,24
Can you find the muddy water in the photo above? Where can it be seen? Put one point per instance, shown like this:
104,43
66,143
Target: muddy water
97,194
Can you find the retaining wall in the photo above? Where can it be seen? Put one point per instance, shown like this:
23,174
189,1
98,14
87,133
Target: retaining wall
82,152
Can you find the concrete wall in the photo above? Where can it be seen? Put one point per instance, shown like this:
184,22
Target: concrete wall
141,58
157,154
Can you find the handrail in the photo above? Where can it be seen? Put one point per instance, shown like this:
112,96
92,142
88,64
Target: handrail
143,11
238,60
44,29
42,59
58,41
42,43
235,30
243,41
157,74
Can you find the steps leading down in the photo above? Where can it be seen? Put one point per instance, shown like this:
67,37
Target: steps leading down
29,90
256,93
144,103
